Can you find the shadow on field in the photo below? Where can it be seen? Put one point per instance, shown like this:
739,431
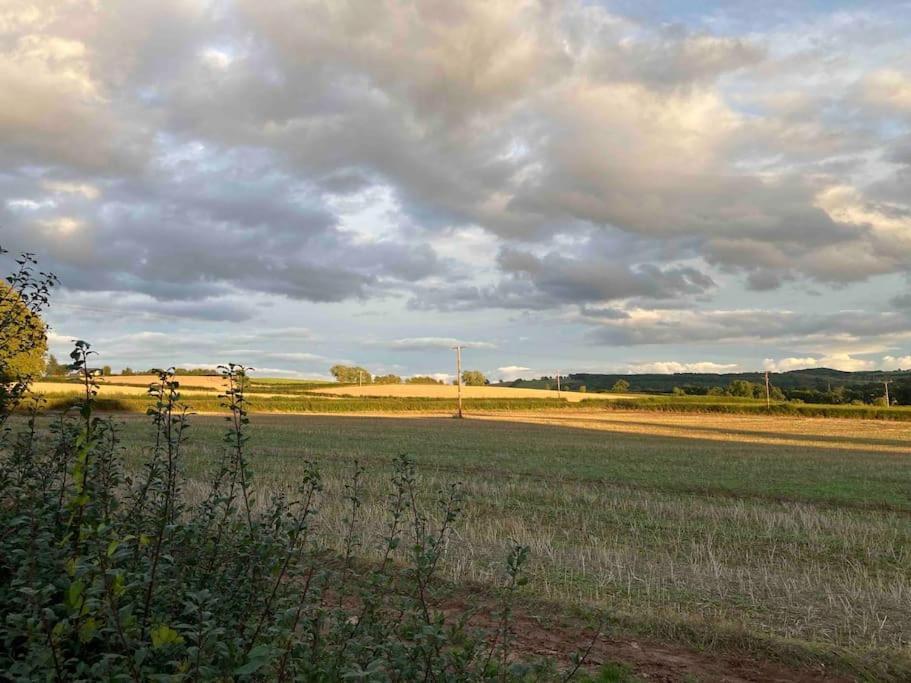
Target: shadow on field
850,443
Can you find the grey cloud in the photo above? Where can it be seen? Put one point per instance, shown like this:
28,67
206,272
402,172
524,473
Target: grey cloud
578,280
208,230
214,132
672,327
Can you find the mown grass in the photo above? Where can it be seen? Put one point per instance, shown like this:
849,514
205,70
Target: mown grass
787,552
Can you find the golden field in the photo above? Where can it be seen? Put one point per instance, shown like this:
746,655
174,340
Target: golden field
213,383
108,388
451,391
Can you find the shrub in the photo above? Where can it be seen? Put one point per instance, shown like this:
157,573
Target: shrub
474,378
347,374
621,386
23,337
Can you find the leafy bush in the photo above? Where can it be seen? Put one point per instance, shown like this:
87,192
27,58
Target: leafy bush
474,378
23,336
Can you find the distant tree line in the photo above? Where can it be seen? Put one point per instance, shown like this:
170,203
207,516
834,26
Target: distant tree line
353,374
815,385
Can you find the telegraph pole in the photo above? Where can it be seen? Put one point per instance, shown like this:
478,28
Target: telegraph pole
458,350
768,392
558,384
886,384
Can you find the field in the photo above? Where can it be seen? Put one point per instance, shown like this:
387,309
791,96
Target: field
451,392
129,394
765,538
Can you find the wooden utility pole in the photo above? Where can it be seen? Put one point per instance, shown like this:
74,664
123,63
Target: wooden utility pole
458,350
768,392
558,384
886,384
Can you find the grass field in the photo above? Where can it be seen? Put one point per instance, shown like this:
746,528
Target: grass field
785,539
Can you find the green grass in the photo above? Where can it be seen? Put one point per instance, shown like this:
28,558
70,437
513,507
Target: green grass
797,553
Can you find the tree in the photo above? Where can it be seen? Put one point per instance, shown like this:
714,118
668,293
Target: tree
127,372
474,378
387,379
106,371
23,336
745,389
54,368
349,374
621,386
422,379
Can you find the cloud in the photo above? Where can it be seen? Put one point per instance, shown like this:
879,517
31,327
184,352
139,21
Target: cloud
836,362
512,372
432,343
888,88
896,363
620,166
662,327
675,367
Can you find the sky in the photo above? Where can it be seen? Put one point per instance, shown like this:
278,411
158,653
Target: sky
560,185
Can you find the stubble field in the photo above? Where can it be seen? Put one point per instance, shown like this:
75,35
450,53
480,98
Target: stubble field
776,538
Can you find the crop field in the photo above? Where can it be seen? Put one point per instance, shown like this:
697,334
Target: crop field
451,392
774,538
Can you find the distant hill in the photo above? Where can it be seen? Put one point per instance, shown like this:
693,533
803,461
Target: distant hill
817,385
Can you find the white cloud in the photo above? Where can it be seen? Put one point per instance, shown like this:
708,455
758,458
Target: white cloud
87,190
64,226
673,367
511,372
889,88
844,362
896,363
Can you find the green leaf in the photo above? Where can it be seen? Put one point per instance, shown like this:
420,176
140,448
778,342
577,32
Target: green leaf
165,635
73,593
258,657
87,629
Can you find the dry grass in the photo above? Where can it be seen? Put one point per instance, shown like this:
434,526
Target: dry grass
107,388
763,532
451,391
212,383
